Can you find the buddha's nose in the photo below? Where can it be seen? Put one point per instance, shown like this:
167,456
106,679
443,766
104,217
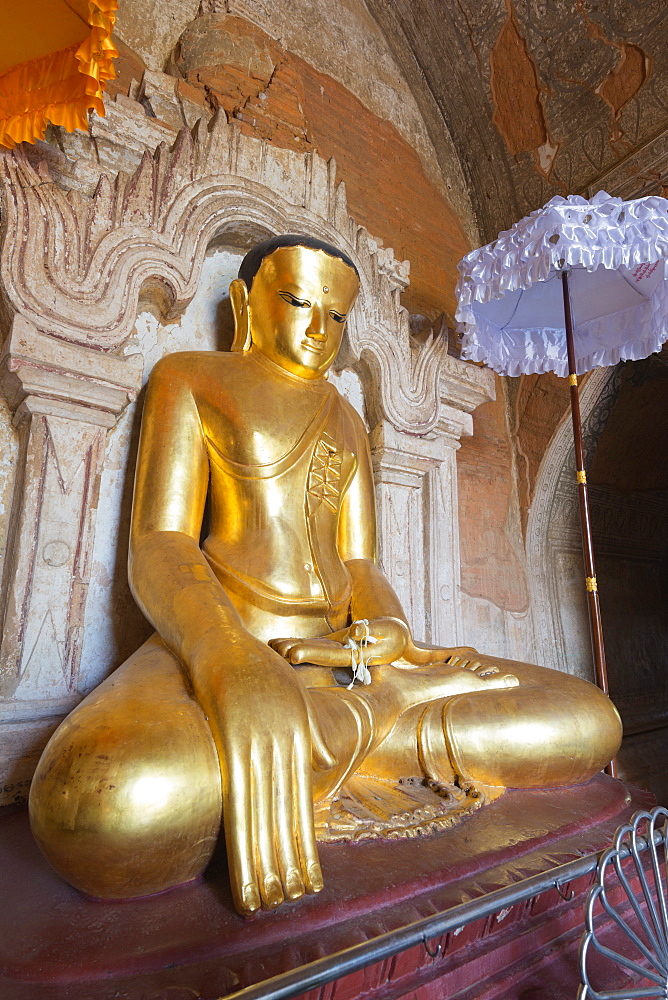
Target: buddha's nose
317,327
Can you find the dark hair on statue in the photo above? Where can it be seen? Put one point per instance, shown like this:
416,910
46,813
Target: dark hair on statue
250,265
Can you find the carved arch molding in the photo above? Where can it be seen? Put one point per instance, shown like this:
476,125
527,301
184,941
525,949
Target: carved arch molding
72,268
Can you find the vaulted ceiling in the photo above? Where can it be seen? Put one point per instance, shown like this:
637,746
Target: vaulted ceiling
539,97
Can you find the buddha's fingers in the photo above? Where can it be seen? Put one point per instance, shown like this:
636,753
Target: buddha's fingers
266,771
238,822
283,646
284,823
324,652
304,824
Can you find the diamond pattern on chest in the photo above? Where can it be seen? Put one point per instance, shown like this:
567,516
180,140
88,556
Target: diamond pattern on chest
324,477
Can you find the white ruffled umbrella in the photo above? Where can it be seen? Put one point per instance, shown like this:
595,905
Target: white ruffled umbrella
578,284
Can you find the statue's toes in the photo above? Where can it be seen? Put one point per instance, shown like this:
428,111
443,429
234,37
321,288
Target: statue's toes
485,670
494,679
490,674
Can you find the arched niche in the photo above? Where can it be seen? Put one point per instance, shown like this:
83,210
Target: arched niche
629,496
625,419
554,542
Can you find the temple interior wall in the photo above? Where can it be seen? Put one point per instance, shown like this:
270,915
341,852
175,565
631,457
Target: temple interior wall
349,49
466,488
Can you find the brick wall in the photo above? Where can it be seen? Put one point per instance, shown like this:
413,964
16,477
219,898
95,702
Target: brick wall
274,94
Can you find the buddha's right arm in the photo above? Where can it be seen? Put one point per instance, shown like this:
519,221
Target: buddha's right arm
169,576
260,715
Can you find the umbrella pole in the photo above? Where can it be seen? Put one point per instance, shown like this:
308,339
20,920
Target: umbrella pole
585,518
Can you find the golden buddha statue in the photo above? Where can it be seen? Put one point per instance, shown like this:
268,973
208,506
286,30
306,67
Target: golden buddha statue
251,703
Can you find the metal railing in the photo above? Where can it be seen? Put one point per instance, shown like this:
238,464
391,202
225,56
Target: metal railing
639,921
627,843
342,963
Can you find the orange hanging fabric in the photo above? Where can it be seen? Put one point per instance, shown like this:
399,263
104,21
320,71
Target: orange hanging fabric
60,82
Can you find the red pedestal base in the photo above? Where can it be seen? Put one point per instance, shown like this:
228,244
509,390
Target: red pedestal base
189,943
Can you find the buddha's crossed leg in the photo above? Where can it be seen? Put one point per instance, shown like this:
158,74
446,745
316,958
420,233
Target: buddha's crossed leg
127,798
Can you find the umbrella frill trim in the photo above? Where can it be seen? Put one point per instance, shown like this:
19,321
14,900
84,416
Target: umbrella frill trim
540,350
62,86
567,232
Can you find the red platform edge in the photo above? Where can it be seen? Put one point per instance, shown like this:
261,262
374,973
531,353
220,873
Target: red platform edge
189,943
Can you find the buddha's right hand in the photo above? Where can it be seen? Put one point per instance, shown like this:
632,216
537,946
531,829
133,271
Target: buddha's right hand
268,739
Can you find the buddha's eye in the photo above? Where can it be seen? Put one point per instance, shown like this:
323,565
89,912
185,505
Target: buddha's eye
294,301
337,317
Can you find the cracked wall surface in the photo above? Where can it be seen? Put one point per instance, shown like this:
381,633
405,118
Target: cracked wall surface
491,544
341,40
309,81
540,99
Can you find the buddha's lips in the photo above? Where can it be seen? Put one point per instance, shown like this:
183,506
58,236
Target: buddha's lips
313,346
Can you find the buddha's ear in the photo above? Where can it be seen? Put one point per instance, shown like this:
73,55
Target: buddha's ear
239,300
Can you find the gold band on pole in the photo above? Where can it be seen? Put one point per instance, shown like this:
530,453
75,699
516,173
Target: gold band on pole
573,380
581,477
592,586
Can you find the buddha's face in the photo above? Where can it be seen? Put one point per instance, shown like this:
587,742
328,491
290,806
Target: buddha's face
298,305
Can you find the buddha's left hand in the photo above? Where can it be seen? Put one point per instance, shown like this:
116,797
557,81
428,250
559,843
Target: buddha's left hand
389,640
391,643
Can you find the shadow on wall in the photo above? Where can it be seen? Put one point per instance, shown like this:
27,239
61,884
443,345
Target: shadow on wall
629,500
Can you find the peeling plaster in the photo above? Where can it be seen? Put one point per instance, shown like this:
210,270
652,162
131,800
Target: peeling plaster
347,45
517,98
625,79
516,91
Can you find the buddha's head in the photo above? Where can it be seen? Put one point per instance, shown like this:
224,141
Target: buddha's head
291,301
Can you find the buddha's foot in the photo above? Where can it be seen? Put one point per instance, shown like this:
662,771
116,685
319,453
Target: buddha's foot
369,808
385,802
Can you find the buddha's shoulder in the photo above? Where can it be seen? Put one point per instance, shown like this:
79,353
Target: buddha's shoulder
192,367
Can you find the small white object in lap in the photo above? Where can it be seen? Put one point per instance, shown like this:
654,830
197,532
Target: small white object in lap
359,655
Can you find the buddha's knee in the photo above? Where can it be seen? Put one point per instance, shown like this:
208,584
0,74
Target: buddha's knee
559,732
126,798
